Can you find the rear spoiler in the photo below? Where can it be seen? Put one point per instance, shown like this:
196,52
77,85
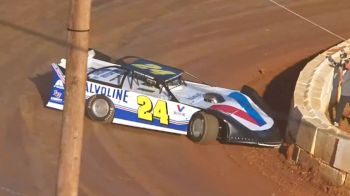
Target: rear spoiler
56,98
96,54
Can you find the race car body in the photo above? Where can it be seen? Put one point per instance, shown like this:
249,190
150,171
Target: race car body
138,92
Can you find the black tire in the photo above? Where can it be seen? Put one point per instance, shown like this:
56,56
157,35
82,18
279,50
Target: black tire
100,108
257,99
203,128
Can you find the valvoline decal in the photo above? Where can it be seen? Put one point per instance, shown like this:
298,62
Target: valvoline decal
114,93
180,108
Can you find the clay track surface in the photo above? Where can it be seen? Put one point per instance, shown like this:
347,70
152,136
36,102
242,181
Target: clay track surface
227,43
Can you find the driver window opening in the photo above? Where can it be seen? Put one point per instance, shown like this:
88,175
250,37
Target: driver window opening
176,82
142,84
109,75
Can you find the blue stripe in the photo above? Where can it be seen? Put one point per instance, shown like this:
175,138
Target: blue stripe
126,115
243,101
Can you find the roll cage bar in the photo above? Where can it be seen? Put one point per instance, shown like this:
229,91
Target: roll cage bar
139,76
160,82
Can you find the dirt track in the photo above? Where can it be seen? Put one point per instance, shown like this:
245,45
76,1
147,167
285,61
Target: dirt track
223,42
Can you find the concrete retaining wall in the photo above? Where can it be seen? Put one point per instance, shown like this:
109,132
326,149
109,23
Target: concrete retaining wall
315,138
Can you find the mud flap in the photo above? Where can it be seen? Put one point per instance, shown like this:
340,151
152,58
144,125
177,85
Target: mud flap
56,98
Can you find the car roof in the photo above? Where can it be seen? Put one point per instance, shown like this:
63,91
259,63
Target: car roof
150,69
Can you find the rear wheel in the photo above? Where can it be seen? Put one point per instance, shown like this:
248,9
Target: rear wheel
100,108
203,128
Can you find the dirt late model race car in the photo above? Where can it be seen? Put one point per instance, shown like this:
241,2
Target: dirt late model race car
138,92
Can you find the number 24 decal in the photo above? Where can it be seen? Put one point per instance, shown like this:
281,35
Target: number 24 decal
160,110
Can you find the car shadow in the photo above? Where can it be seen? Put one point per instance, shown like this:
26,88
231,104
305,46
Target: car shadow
279,93
43,83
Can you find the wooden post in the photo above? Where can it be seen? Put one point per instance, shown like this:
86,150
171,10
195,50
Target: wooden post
74,99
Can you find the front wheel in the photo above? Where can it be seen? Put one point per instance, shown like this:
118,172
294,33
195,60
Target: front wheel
100,108
203,128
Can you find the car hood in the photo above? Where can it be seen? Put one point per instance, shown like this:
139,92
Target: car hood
236,105
244,110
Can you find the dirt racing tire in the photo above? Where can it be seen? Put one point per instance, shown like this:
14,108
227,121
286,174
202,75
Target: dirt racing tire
100,108
203,128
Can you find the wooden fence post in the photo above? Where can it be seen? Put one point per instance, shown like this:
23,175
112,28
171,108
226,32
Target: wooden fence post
74,99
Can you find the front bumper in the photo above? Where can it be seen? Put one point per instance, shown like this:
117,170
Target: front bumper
233,132
237,134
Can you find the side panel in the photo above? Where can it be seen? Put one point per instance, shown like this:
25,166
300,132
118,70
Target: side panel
153,113
131,108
